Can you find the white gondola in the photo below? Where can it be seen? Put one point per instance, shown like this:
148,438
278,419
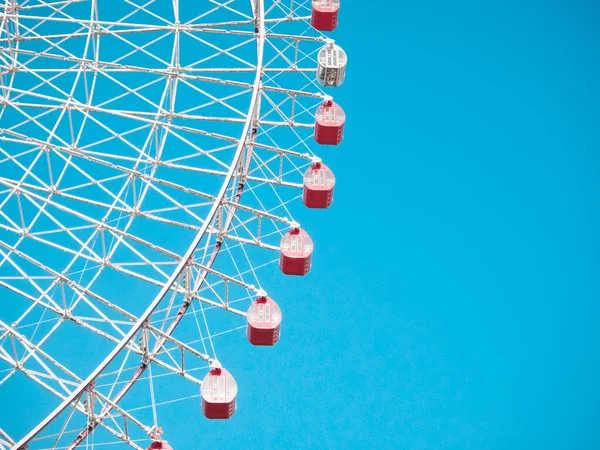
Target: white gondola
331,69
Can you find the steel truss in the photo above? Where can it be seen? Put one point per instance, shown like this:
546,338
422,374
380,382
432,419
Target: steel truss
112,137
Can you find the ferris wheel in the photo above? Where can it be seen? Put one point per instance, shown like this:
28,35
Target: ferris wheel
151,153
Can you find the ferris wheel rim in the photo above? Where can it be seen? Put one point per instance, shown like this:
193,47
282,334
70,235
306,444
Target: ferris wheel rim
258,12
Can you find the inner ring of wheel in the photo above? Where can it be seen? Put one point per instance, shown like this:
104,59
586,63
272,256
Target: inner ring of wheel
258,12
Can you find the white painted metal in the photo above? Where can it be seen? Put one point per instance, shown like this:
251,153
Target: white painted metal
45,201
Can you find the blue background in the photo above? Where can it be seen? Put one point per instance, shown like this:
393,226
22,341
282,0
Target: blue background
454,299
453,302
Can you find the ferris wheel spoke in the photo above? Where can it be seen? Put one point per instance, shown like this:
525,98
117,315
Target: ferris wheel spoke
282,150
258,214
102,158
87,23
278,5
254,242
145,8
43,54
214,102
150,181
43,4
293,92
224,5
5,440
187,29
86,412
292,62
26,190
82,293
264,174
65,312
122,392
260,234
32,351
138,114
241,224
43,83
101,263
223,51
293,37
24,65
44,378
276,109
98,225
277,204
212,98
251,267
189,26
279,166
106,67
284,157
94,257
280,54
177,345
14,8
85,322
295,98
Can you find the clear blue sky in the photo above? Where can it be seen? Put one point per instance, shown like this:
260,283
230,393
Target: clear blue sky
454,298
453,302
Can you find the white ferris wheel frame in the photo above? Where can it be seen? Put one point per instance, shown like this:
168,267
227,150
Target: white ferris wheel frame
236,169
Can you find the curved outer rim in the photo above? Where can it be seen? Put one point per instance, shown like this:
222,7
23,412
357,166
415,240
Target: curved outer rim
258,11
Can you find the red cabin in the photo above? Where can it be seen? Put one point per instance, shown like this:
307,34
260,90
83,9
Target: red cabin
319,182
264,322
296,252
218,394
325,14
159,445
329,123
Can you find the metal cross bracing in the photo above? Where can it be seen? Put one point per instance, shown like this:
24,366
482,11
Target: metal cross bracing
120,128
5,440
47,375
